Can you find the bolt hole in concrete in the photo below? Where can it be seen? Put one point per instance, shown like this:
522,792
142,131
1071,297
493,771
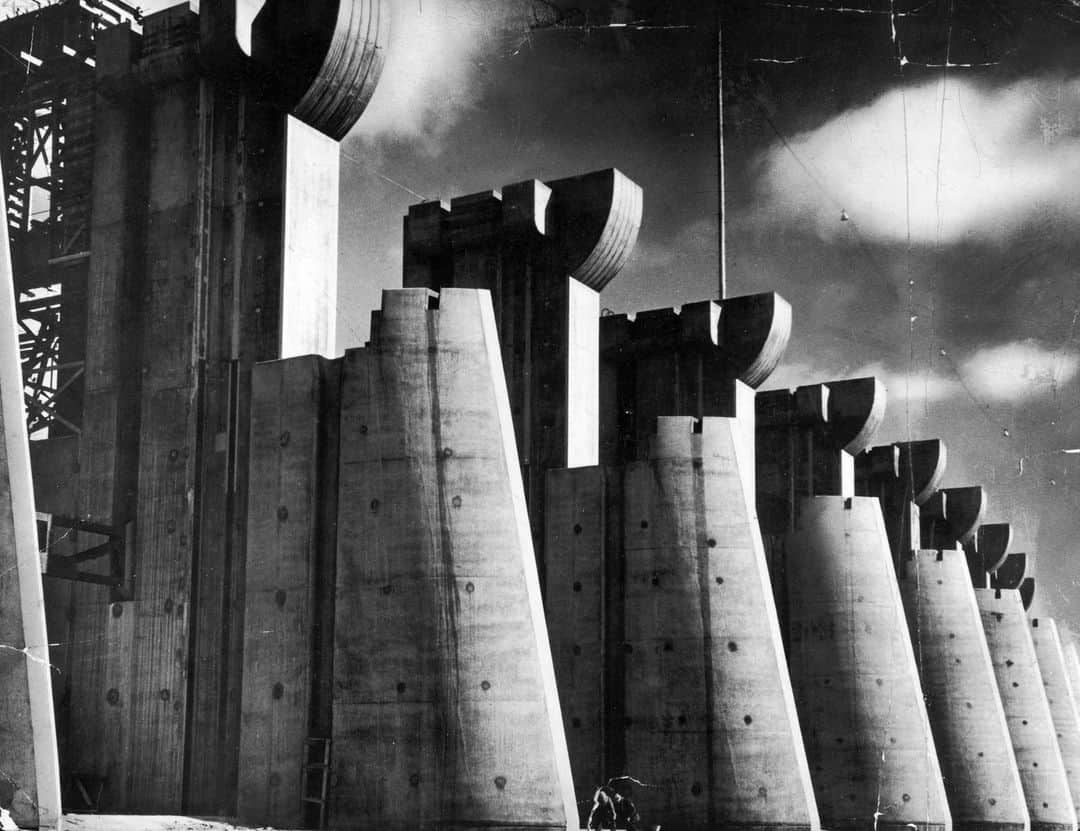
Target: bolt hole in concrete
500,782
456,501
577,529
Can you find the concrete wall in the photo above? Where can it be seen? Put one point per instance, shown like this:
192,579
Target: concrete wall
1031,726
868,739
982,781
288,591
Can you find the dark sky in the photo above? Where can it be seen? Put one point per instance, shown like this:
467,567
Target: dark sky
947,132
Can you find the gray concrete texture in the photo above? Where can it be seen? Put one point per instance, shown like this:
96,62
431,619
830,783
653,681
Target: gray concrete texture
982,781
1027,711
444,687
868,739
1059,695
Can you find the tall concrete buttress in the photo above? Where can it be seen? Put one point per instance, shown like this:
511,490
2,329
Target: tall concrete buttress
544,251
29,775
445,709
664,633
1031,725
981,778
970,731
868,739
212,247
1060,697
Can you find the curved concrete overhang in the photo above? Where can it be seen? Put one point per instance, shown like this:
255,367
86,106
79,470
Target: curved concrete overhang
754,331
1011,573
993,542
922,467
856,409
324,58
597,218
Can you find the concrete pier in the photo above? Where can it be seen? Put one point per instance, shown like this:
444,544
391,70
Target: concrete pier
1027,711
971,735
29,775
1060,697
709,714
443,678
868,739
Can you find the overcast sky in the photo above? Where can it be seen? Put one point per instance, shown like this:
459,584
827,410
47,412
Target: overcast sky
946,132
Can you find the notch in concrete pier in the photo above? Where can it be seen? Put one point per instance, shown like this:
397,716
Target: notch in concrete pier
666,362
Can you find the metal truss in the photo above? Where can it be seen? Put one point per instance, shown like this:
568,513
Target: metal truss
47,100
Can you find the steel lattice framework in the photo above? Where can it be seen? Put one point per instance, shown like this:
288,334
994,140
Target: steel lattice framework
47,100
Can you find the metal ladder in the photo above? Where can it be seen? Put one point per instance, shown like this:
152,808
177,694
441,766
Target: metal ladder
316,761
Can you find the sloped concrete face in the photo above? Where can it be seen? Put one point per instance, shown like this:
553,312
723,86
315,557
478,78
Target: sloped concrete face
1072,668
1059,695
982,781
445,711
710,722
29,775
1027,711
868,740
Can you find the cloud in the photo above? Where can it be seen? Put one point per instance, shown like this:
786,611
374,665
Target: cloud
960,160
1018,370
918,386
436,65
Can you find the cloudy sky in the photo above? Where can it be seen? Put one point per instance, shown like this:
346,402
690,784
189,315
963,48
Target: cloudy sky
947,132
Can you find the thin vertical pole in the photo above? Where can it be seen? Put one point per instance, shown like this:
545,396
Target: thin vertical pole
721,196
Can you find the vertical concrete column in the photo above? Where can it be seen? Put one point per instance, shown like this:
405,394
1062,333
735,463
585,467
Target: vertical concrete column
868,738
444,686
99,679
205,250
710,722
958,681
30,776
1059,695
544,251
288,587
1027,711
583,538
